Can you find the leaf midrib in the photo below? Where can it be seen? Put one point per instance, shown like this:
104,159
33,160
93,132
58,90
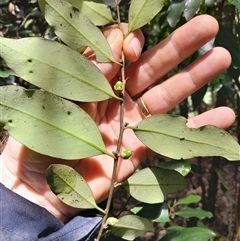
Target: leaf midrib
56,127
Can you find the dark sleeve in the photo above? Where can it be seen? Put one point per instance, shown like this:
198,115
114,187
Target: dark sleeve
21,220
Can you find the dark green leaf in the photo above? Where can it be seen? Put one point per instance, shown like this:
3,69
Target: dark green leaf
152,185
189,234
143,11
168,135
197,96
49,124
236,3
180,166
191,8
175,11
193,212
76,30
70,187
56,68
189,199
156,212
130,227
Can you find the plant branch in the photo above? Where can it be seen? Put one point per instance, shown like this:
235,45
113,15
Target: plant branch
120,137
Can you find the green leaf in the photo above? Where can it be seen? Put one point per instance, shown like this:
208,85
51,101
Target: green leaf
98,12
194,212
236,3
156,212
189,234
6,73
143,11
130,227
76,30
70,187
191,7
49,124
189,199
175,11
180,166
168,135
56,68
151,185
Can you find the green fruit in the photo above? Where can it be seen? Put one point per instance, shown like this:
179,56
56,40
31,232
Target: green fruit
125,154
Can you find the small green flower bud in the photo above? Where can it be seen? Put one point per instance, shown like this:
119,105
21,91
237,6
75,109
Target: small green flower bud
125,154
111,221
118,86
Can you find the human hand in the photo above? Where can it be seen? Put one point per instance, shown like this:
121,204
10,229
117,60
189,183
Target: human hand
23,170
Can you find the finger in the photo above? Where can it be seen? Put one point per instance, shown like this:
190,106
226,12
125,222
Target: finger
222,117
115,39
132,44
158,61
168,94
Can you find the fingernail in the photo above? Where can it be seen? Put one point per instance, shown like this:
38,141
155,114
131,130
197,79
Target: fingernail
112,36
136,46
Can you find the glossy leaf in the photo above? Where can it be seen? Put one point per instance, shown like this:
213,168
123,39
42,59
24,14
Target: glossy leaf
49,124
180,166
175,11
189,234
193,212
143,11
192,198
70,187
56,68
168,135
98,12
156,212
152,185
130,227
191,8
76,30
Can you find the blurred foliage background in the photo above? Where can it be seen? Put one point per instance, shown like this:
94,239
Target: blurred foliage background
215,179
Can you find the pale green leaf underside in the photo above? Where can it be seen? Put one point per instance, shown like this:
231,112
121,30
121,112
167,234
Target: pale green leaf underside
169,136
98,12
151,185
70,187
143,11
56,68
130,227
49,124
76,30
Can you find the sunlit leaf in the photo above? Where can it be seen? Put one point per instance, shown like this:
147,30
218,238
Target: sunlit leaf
156,212
76,30
130,227
49,124
189,234
175,11
189,199
191,7
98,12
70,187
152,185
193,212
56,68
143,11
180,166
168,135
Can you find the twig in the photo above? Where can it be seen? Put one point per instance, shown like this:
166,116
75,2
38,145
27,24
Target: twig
120,138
